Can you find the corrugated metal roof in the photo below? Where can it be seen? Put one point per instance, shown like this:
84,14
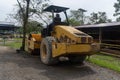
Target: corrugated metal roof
7,26
56,9
99,25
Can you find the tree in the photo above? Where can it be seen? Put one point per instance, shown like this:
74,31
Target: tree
37,7
24,11
117,10
29,9
74,22
34,27
76,17
100,17
35,11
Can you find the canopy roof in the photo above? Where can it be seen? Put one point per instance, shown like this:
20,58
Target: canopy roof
7,27
100,25
55,9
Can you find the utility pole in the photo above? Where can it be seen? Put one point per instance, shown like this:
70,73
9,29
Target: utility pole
96,17
82,15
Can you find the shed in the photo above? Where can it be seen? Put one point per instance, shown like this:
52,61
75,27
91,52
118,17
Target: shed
103,32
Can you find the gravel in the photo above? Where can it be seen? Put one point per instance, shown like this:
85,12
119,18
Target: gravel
21,66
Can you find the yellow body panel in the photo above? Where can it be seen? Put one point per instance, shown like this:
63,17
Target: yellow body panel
33,42
83,48
58,49
65,49
37,37
71,41
70,32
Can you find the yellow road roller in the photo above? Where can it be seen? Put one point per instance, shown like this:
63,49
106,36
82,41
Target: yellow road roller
59,39
32,44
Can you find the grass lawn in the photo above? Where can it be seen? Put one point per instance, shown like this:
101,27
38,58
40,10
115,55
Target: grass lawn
15,43
106,61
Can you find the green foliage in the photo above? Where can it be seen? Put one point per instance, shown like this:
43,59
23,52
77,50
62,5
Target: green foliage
106,61
76,14
34,27
74,22
100,17
76,17
20,30
117,10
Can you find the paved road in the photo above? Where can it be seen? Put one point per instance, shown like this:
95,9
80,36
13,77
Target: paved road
19,66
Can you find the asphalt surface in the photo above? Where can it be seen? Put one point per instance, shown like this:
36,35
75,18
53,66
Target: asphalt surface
20,66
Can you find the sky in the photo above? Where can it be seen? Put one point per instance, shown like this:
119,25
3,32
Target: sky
6,6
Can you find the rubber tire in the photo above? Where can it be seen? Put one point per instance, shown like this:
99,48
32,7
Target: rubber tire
48,60
75,59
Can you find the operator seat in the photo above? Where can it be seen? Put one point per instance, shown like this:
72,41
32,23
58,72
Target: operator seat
56,21
57,18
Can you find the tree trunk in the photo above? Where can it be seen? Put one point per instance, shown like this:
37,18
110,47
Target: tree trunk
25,21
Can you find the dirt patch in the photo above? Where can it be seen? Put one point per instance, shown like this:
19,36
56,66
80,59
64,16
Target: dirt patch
20,66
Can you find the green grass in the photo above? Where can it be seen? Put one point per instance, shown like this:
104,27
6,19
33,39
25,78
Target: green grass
16,43
106,61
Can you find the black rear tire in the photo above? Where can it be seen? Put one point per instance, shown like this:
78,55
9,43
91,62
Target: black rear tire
46,51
